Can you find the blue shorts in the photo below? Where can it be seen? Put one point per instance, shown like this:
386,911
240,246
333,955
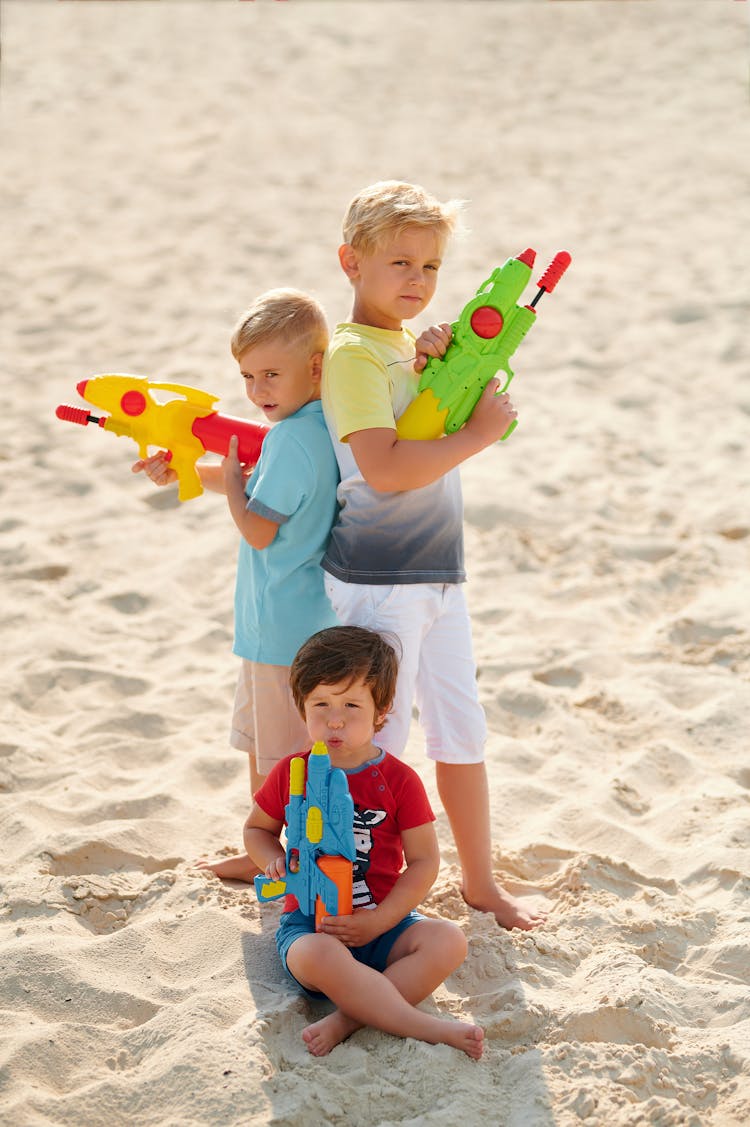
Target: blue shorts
373,954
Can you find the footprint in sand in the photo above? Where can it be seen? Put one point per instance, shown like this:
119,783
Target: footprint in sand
629,797
105,904
129,602
608,708
559,677
46,573
104,886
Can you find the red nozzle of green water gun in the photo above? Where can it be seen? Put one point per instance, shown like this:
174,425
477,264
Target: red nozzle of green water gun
554,271
528,257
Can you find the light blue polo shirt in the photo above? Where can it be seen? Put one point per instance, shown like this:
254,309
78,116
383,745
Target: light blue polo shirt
279,596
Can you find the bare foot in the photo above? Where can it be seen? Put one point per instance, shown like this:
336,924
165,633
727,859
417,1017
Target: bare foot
509,911
330,1031
231,868
468,1038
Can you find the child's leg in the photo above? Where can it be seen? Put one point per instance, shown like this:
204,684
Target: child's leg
455,731
367,997
267,726
421,958
463,790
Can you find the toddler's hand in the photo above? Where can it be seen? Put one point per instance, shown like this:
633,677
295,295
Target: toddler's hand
355,930
432,342
276,869
492,415
157,468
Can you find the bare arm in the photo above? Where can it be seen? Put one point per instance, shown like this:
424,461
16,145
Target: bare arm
389,463
261,838
159,470
422,856
257,530
422,862
212,477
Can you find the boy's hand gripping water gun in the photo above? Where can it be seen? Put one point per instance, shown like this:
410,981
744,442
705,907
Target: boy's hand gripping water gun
320,847
186,426
485,336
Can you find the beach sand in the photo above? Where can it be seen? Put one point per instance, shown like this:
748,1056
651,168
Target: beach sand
162,164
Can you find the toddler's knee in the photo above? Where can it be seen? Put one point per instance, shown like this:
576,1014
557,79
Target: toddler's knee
454,943
310,954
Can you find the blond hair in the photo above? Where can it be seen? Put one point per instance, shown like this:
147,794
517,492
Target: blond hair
288,315
390,207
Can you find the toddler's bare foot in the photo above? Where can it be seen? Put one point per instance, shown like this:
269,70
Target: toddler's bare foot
330,1031
468,1038
509,911
231,868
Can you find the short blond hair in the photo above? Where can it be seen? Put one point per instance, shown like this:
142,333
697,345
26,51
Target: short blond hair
390,207
288,315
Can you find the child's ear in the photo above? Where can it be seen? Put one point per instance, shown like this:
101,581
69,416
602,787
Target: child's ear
316,366
380,718
349,260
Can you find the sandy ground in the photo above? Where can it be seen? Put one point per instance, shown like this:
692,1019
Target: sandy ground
164,162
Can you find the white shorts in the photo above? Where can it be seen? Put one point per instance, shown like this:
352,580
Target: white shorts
266,723
431,621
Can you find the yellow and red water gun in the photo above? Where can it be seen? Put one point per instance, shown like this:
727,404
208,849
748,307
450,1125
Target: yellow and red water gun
186,425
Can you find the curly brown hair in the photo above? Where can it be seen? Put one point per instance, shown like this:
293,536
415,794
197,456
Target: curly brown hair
346,653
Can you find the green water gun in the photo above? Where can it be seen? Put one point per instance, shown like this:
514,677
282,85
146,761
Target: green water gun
485,336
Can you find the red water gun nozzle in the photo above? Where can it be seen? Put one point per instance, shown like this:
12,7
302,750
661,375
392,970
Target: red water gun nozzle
554,271
72,414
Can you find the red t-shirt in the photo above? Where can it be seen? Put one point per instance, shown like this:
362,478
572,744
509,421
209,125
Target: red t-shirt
388,798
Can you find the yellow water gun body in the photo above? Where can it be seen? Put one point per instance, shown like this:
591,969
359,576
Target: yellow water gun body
186,424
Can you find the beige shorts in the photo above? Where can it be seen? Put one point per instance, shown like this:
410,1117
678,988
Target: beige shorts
266,723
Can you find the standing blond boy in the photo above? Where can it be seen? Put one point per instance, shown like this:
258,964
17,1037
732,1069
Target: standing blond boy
395,559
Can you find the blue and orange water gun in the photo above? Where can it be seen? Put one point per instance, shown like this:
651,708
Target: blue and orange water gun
485,336
186,424
320,846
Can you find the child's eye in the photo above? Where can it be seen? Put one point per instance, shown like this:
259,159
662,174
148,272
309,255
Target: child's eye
431,266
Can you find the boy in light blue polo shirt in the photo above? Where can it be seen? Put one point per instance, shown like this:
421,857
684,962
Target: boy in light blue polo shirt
284,510
279,597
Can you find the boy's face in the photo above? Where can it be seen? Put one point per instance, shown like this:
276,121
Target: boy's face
280,378
397,280
344,716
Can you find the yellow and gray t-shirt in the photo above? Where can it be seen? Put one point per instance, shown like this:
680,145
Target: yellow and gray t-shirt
413,536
